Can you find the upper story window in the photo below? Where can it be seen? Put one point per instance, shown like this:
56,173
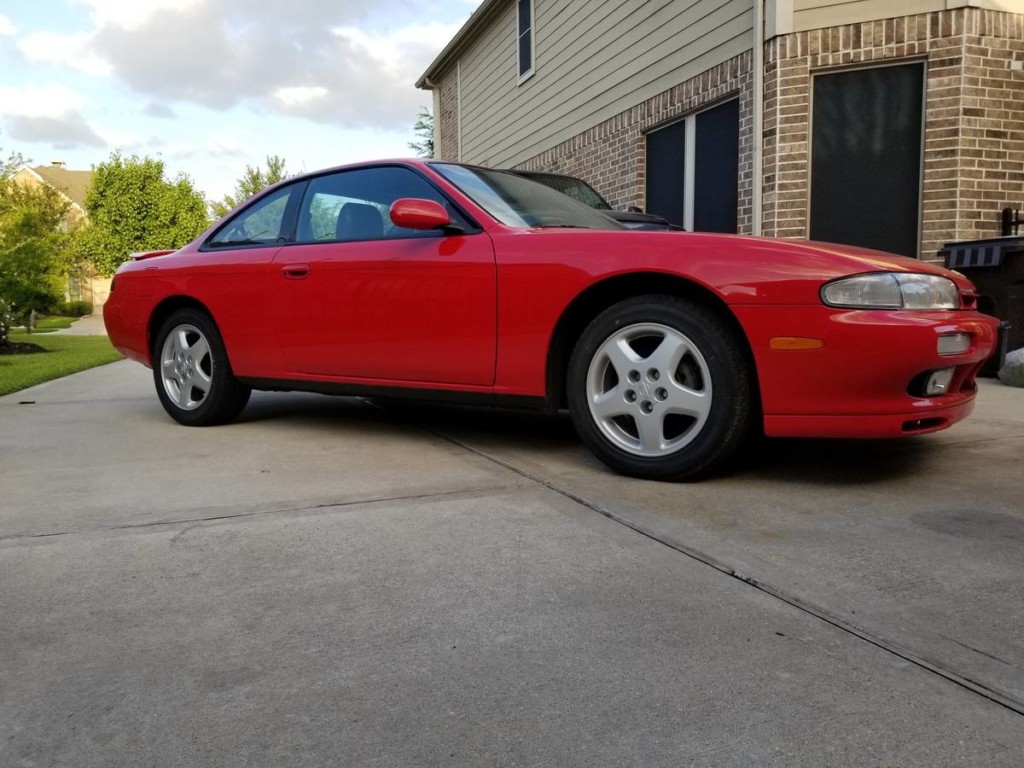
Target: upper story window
526,16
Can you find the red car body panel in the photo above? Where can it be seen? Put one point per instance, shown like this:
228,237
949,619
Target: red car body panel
478,312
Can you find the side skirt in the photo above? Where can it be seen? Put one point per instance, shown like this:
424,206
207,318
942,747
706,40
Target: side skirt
447,396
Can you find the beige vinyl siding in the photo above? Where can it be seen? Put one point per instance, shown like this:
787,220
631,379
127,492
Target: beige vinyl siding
818,14
592,61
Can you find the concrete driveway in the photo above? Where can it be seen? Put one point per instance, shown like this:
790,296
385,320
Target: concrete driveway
334,582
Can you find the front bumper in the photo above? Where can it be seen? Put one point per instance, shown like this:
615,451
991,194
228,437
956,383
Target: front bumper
864,379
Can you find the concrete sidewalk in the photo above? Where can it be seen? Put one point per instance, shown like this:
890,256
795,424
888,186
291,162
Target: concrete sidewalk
90,325
330,583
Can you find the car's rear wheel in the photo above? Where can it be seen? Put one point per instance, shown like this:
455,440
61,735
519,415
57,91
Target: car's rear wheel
660,387
191,371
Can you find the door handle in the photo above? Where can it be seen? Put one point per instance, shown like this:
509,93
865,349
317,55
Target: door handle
295,271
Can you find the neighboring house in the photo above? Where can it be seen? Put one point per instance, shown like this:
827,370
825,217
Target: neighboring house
896,125
85,284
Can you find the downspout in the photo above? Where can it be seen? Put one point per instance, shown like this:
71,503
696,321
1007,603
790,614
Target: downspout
757,177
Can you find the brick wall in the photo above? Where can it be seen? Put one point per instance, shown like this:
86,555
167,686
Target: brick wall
611,155
974,118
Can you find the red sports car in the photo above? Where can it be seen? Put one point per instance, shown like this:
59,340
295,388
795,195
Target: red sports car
437,280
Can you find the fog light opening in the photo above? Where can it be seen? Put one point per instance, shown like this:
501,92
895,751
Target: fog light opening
938,382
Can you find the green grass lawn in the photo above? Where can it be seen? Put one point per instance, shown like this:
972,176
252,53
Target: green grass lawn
47,324
64,355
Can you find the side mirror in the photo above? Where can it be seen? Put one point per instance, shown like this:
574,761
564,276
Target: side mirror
635,209
412,213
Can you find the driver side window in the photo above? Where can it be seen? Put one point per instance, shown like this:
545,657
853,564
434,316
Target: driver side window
355,205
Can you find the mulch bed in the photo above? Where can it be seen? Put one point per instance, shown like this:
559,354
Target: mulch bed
19,348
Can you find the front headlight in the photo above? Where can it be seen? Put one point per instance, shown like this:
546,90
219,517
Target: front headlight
892,290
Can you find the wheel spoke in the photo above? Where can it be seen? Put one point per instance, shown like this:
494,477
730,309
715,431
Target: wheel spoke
610,404
622,356
669,353
687,402
169,368
652,433
202,381
180,341
199,350
185,396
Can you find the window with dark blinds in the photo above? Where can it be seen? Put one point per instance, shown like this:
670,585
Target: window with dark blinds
525,38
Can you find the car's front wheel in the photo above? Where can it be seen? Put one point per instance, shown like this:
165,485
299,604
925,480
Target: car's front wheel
191,371
660,387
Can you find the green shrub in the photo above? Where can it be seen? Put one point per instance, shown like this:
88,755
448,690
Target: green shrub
73,309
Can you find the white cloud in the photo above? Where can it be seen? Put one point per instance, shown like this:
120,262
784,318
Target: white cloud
73,51
7,26
65,132
51,114
396,50
303,58
131,14
51,100
300,95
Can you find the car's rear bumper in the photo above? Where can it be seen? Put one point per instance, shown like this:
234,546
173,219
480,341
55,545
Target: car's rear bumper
865,378
127,333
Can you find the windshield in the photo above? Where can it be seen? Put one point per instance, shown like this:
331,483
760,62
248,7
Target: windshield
575,188
521,203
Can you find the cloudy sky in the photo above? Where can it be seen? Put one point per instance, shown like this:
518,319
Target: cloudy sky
210,86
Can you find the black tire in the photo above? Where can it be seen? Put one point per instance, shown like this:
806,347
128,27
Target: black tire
199,389
713,377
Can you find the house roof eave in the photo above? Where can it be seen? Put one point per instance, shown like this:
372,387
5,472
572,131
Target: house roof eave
476,20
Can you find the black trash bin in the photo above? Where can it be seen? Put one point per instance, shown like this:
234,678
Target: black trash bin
996,267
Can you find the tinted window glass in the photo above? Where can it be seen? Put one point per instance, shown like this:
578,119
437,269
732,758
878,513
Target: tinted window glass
356,205
866,157
666,178
261,224
717,169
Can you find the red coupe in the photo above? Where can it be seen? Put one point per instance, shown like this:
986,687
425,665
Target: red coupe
437,280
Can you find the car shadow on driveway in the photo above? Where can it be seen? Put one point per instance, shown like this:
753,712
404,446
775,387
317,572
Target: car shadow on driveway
507,435
835,462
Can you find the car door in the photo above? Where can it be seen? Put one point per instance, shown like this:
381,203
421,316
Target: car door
230,276
358,297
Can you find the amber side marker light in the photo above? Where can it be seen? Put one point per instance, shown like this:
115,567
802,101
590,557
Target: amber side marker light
795,343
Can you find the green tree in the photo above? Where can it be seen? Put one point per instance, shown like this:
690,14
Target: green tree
35,246
424,130
252,181
132,207
13,162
